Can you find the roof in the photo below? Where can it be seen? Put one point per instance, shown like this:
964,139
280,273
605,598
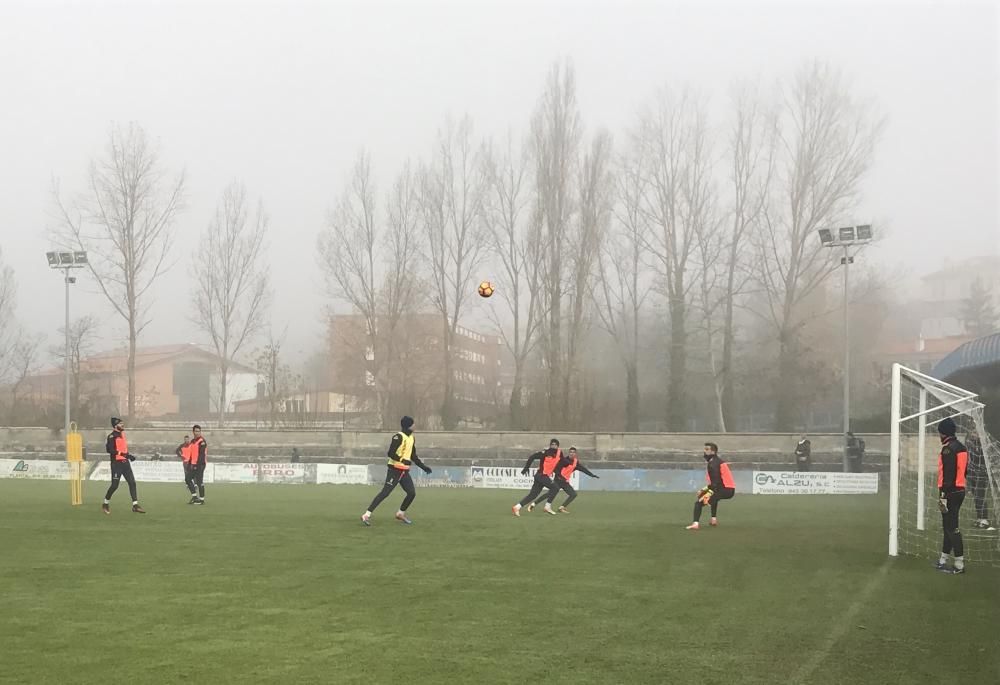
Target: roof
931,346
116,360
974,355
982,264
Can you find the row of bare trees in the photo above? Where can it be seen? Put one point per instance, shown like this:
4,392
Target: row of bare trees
703,227
125,220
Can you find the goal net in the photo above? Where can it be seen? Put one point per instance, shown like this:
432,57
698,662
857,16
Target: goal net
919,403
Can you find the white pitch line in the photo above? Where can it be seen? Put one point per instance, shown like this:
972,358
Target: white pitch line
841,627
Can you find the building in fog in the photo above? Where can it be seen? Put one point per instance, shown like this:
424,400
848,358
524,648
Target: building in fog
414,368
944,293
179,381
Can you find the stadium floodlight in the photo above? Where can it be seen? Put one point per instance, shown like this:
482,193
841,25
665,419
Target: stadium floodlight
66,261
847,237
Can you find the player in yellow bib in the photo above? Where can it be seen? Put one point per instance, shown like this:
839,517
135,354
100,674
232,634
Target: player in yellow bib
402,454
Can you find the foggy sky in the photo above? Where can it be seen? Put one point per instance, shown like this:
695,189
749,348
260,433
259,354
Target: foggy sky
283,96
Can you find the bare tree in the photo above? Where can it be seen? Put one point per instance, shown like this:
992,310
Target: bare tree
515,240
453,190
8,328
825,144
275,377
24,362
622,284
674,132
751,157
401,291
556,134
587,233
82,334
231,279
125,221
351,257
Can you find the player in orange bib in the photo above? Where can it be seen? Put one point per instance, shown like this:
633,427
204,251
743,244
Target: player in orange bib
720,485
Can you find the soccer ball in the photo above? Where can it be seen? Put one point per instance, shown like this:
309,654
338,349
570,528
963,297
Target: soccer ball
486,289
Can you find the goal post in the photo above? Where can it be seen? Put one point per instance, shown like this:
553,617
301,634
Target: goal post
919,403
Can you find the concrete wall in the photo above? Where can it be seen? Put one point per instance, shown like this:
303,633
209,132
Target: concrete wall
605,450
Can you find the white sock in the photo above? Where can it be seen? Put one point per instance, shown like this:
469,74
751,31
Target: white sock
959,562
135,503
367,513
400,513
517,506
943,559
107,501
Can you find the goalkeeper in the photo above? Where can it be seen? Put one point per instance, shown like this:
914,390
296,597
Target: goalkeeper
952,464
720,485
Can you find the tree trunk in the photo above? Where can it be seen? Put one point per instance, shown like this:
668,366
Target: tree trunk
728,399
631,397
676,411
131,368
449,420
557,404
784,410
223,372
517,422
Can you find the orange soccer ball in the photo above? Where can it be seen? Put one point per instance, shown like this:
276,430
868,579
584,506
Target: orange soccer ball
486,289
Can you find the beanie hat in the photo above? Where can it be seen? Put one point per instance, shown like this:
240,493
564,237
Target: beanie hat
947,427
406,423
115,421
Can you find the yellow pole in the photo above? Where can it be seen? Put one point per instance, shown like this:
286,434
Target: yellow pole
74,455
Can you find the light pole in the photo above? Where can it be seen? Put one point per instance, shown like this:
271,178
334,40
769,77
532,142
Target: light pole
846,238
65,261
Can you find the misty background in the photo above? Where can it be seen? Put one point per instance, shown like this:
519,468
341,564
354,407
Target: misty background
283,97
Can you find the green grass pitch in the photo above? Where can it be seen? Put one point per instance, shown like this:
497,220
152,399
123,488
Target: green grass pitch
282,584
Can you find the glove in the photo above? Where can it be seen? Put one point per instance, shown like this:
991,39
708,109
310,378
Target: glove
524,471
427,470
131,457
596,476
943,503
705,495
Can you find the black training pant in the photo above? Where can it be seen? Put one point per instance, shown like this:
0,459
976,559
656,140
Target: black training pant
979,484
713,501
394,477
542,482
189,478
557,485
120,469
952,543
198,476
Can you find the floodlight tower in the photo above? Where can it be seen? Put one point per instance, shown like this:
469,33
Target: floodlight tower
846,237
67,261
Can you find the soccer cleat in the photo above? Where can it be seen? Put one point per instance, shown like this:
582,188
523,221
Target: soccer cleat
106,508
563,510
957,571
693,526
516,509
983,524
713,521
136,509
942,567
402,517
548,510
366,519
201,500
193,500
531,507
